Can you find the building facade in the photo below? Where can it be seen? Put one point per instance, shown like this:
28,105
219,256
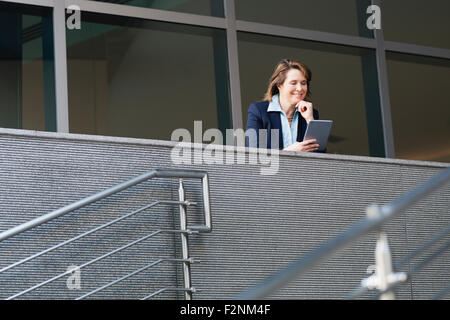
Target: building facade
143,68
91,92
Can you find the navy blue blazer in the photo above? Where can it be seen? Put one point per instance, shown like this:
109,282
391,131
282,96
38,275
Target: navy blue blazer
259,118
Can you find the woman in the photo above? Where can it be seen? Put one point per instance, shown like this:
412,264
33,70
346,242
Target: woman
286,107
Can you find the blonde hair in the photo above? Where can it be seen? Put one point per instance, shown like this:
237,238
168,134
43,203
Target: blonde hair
279,76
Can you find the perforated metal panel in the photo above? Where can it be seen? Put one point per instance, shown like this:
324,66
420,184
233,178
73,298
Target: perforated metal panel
260,223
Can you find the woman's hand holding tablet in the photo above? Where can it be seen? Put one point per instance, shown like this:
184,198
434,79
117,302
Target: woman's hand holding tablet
319,130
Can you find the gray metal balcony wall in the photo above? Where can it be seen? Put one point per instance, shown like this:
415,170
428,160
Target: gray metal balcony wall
260,223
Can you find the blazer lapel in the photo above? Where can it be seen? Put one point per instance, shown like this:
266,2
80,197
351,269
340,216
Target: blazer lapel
276,124
301,128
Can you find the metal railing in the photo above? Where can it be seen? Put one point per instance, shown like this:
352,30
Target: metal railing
384,279
184,231
372,282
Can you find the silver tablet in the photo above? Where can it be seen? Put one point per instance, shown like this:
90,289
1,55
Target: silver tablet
319,130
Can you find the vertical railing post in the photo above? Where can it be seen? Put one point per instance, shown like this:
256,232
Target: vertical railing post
384,266
384,276
184,243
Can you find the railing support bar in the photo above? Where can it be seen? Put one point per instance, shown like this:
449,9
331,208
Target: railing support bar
184,243
76,205
115,189
85,234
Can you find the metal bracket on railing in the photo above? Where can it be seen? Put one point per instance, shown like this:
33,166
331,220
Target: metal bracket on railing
384,277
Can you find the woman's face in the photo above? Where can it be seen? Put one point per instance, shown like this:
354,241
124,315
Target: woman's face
294,88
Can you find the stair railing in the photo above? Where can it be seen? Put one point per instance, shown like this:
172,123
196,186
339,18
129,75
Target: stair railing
185,229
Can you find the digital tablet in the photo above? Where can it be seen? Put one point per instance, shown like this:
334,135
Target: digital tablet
319,130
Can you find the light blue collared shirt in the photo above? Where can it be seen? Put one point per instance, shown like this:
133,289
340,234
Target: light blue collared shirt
289,132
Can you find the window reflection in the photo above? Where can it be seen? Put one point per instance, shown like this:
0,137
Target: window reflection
144,79
27,98
417,22
420,107
341,16
203,7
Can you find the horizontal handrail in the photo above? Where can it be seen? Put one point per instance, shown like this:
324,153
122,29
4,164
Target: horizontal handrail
377,215
59,245
419,266
415,253
164,290
359,291
442,293
438,236
132,274
156,173
94,260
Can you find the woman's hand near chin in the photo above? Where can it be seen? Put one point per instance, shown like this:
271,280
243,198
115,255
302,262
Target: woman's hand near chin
306,110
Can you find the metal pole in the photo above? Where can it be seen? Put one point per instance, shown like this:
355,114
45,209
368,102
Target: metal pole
184,243
110,191
233,65
383,87
376,217
61,89
76,205
384,266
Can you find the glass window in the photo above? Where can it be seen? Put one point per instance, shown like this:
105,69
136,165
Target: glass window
420,106
417,22
144,79
27,96
344,87
343,16
204,7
